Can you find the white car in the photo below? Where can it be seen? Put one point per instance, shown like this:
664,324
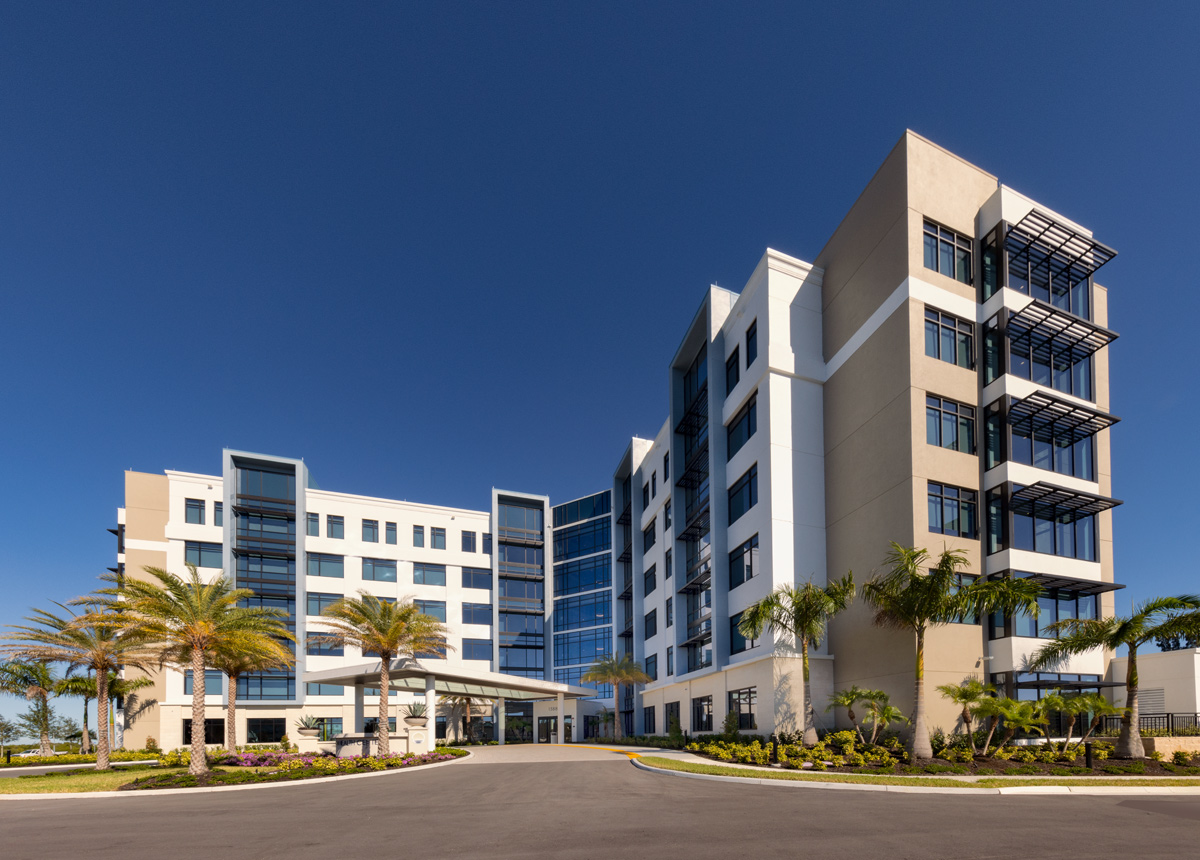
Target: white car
31,754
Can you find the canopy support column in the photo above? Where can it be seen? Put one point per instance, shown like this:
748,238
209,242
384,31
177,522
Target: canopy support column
562,718
358,709
500,722
431,707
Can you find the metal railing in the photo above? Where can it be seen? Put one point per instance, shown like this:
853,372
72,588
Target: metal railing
1156,724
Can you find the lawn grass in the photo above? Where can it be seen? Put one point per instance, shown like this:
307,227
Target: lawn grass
76,780
920,782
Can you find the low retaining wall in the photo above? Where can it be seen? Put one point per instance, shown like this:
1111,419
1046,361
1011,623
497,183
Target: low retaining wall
1166,746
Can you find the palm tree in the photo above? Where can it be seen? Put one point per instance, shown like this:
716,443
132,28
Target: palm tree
988,708
881,714
82,687
1021,717
849,698
804,614
1072,707
464,703
1161,617
967,695
1099,707
92,641
386,629
909,597
185,623
261,655
616,671
35,681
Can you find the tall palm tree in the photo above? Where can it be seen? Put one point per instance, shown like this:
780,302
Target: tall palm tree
81,687
616,671
849,698
386,629
92,641
260,655
967,695
803,613
35,681
184,623
910,597
1150,620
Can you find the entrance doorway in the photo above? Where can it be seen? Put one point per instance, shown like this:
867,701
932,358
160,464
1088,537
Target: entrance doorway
546,726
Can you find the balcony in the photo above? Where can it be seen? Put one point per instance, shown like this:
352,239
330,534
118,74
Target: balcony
626,589
1056,503
699,630
695,468
699,574
1038,242
698,521
696,415
626,516
627,630
1054,336
1042,414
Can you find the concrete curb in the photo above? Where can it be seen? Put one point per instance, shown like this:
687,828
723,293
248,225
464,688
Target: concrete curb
916,789
58,767
159,792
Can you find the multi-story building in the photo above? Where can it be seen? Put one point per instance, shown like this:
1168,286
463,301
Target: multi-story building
299,548
936,378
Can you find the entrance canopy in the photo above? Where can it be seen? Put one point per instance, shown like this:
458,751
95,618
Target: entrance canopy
407,673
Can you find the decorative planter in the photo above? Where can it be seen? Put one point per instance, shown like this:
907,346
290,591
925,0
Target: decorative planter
415,721
308,733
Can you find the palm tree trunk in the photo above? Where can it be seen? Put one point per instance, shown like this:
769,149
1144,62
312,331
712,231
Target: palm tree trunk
85,741
618,730
1070,728
1091,728
199,764
468,711
810,731
987,742
383,742
921,747
966,718
101,720
854,722
1129,743
46,747
231,717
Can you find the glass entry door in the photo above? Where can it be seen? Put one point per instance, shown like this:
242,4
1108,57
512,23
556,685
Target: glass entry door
546,726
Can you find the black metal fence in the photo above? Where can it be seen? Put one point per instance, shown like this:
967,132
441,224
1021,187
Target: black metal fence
1157,724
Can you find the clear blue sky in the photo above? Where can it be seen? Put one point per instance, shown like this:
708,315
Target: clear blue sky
437,247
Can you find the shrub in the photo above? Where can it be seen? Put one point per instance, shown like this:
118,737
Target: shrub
842,741
1181,758
731,726
1024,755
1155,755
152,745
675,733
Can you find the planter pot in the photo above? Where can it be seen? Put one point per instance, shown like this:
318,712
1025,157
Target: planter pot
308,733
415,721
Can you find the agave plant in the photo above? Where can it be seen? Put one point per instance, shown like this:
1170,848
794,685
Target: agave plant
308,721
415,710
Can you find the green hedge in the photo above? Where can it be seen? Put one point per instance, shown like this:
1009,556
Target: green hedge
116,755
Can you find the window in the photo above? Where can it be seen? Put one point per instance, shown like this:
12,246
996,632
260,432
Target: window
487,543
948,253
751,344
218,513
702,714
1045,449
212,682
651,624
437,538
370,531
379,570
574,675
952,511
582,509
311,689
653,484
650,580
314,525
194,511
433,608
418,535
648,726
737,642
743,563
733,370
667,559
582,647
667,466
266,686
477,649
1032,360
649,536
319,602
743,495
330,727
645,496
1054,604
671,663
335,527
320,564
670,611
371,724
315,647
585,575
742,702
265,730
476,577
582,539
961,581
477,613
652,666
587,610
1042,528
429,574
202,554
468,541
522,594
742,427
666,516
214,731
949,424
949,339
